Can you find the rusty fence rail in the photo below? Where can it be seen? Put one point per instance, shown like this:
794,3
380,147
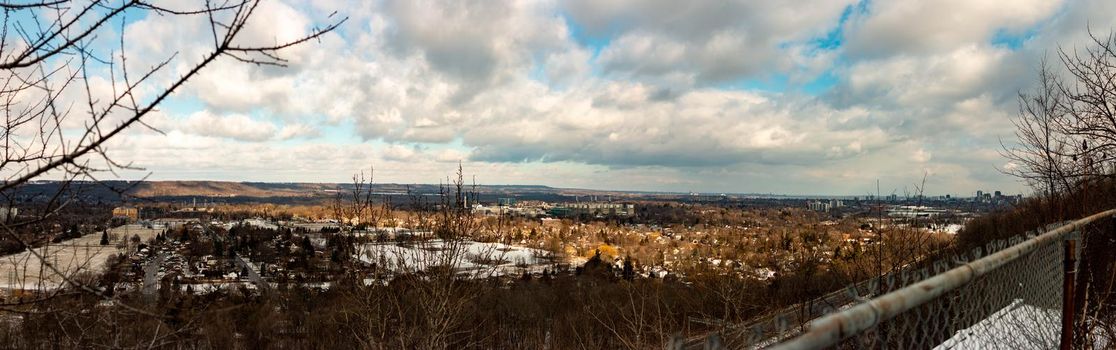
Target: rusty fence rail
1008,294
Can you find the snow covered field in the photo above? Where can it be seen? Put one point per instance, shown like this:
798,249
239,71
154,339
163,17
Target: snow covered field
471,257
84,254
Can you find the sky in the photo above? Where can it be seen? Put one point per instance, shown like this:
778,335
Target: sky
789,97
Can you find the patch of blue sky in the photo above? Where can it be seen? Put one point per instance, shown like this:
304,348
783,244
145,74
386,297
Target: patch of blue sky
32,24
28,16
782,83
103,44
180,107
1013,40
594,42
831,41
835,37
821,84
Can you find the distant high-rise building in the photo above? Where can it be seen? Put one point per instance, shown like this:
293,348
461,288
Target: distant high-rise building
819,206
980,194
996,194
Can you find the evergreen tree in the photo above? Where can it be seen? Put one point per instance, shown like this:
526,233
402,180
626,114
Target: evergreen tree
307,246
104,238
629,269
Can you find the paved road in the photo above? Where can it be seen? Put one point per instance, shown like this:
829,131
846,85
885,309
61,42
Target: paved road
253,275
151,274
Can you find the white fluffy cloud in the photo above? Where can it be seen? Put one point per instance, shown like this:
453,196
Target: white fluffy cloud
583,93
234,126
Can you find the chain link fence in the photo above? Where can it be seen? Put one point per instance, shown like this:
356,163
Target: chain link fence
1015,306
1007,294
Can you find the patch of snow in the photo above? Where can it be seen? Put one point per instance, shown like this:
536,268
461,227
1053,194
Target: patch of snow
1016,326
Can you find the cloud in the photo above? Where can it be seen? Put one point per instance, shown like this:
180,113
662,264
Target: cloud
587,93
624,126
234,126
474,44
913,27
400,153
707,41
293,131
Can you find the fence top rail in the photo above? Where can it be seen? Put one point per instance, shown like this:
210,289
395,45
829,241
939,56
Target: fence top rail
831,329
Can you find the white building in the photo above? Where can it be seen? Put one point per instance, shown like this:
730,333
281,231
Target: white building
819,206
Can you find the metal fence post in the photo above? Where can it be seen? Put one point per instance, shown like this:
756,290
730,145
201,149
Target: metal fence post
676,342
1068,279
713,342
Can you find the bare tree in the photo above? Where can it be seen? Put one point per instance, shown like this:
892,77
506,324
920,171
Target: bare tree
1066,151
1043,156
1066,128
355,205
58,121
